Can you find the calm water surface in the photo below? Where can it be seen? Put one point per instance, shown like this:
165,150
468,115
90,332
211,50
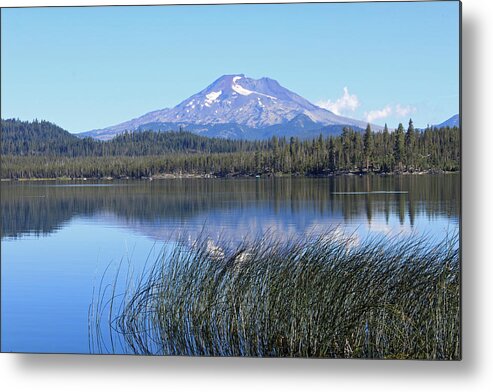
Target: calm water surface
58,238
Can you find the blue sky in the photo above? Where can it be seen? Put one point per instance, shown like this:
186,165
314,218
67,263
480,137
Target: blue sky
87,68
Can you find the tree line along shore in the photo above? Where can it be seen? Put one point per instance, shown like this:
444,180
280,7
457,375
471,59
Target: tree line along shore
42,150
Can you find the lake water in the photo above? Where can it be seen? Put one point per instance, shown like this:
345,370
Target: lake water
58,238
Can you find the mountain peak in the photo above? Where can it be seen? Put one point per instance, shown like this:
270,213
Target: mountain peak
235,84
240,102
225,80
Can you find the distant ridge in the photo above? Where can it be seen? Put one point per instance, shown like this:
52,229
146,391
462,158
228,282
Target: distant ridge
453,121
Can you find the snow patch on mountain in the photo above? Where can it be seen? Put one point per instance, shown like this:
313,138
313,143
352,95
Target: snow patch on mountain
243,91
212,97
237,88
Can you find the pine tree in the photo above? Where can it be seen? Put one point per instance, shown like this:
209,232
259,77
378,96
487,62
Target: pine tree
332,156
368,146
410,144
399,145
346,147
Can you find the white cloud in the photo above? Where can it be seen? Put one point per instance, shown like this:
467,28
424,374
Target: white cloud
404,111
378,114
399,110
348,102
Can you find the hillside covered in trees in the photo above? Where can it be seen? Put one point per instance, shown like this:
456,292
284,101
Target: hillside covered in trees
42,138
44,150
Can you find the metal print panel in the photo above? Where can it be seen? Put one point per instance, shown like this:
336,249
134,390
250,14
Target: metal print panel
262,180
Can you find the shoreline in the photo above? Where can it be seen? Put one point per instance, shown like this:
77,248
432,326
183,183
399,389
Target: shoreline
170,176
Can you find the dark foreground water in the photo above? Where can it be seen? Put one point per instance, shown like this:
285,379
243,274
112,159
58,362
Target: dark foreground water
58,238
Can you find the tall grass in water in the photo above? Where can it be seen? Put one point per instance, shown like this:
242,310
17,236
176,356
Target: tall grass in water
324,297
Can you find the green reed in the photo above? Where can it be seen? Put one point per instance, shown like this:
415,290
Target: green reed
326,297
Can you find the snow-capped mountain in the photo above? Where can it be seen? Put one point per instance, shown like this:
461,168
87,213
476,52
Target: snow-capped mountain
451,122
235,106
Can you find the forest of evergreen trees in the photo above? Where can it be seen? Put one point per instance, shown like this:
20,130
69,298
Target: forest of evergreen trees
43,150
42,138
